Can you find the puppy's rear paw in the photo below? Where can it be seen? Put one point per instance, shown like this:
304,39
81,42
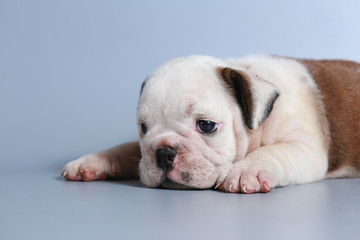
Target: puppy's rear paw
87,168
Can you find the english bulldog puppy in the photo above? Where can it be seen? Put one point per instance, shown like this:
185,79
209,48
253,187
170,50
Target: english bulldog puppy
242,125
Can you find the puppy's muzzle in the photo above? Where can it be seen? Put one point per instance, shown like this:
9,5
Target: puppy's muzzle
165,157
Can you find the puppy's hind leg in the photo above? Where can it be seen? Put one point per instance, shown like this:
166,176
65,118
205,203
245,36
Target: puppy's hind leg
120,162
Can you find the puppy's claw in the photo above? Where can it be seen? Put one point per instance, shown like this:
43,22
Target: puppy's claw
244,188
219,186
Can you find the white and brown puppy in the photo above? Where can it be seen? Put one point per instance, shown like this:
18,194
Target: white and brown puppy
243,125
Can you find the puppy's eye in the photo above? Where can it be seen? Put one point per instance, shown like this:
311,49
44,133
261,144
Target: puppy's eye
143,128
206,126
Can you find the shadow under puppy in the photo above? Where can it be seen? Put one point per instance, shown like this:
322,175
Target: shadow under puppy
242,125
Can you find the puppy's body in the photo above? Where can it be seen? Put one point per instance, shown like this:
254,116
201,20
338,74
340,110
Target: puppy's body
278,122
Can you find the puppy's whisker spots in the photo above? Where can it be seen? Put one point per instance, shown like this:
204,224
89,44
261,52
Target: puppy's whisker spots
137,172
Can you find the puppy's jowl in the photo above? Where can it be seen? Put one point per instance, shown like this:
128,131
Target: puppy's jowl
243,125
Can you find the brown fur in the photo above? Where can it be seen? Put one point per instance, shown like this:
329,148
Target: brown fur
339,83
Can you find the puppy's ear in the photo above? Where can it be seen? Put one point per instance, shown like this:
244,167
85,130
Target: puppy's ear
255,95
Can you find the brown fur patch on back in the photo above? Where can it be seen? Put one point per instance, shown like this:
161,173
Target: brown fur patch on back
339,83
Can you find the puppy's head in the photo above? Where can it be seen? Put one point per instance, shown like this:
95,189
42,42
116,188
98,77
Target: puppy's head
194,116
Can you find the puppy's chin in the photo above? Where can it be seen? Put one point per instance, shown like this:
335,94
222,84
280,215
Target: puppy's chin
168,183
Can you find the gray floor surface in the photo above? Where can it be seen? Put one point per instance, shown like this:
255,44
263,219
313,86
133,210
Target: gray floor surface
38,204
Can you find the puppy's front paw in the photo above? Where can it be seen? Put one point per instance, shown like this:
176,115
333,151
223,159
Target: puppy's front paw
87,168
249,177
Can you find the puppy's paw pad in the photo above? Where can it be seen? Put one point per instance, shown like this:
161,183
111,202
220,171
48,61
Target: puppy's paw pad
88,175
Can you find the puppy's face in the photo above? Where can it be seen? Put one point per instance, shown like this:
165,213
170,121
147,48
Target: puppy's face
190,126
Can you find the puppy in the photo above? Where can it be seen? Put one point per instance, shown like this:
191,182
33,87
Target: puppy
243,125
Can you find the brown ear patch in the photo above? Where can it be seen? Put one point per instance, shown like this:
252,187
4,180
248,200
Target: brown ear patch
238,84
255,96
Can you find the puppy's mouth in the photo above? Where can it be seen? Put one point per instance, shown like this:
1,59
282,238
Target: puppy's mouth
168,183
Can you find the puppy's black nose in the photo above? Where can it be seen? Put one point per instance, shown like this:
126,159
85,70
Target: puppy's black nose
165,157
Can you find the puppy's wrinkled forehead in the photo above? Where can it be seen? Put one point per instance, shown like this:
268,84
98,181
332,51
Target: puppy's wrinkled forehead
182,82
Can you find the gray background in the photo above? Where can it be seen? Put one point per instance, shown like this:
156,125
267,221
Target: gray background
70,74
